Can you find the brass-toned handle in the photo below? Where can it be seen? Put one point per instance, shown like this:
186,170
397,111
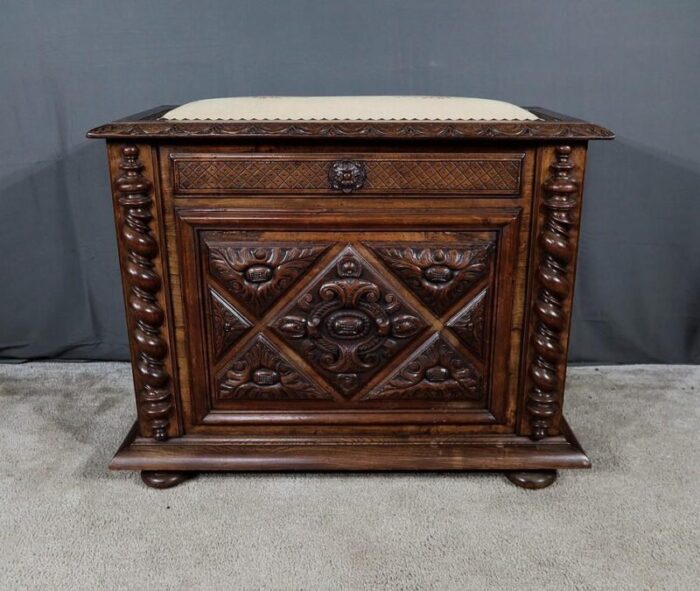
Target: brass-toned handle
347,175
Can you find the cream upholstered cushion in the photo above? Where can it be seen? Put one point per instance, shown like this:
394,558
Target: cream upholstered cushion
350,108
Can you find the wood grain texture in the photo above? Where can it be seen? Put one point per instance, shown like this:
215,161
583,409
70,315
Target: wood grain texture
492,174
550,126
418,321
142,275
553,268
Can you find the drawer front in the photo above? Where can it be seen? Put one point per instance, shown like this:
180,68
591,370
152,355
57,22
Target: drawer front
473,174
348,319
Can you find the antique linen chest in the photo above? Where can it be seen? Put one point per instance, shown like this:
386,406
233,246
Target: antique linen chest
372,283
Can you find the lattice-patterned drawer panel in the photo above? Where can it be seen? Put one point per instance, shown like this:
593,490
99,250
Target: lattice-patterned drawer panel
492,174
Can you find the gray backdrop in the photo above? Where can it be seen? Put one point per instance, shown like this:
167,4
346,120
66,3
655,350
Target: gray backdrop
631,65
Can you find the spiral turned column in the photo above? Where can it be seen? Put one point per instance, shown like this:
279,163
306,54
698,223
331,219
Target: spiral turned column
153,383
553,278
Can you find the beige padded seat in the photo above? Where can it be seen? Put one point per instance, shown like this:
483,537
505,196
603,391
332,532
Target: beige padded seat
350,108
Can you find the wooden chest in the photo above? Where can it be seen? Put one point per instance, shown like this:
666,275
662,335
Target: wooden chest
348,295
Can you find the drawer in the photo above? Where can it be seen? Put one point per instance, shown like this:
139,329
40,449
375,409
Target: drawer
469,174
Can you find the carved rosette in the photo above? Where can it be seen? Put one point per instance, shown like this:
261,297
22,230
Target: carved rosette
153,383
347,176
553,279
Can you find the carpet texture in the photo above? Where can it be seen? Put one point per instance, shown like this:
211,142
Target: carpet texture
629,523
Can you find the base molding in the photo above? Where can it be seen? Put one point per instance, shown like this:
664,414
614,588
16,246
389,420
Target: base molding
478,452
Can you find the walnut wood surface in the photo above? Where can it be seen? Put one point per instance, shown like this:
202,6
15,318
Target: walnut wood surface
490,174
532,479
550,126
325,320
163,480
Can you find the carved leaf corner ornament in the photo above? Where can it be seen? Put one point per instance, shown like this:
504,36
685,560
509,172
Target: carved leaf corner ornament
436,372
260,373
257,275
438,276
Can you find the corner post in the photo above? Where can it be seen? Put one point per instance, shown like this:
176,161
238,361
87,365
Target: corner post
557,207
142,269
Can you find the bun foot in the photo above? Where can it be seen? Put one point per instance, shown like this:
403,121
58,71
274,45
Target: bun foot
532,478
164,479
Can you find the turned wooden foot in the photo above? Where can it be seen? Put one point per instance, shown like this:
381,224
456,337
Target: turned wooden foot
532,478
164,479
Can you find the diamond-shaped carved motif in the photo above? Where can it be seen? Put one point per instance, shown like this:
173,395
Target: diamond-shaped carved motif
227,325
436,372
469,323
439,276
260,373
257,275
348,323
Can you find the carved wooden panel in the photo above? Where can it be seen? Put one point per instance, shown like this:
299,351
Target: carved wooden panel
227,324
439,276
260,372
436,372
256,276
349,323
469,323
489,174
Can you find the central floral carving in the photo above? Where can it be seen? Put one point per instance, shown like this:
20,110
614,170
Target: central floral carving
349,323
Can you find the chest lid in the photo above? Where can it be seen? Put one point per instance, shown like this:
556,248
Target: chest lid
380,117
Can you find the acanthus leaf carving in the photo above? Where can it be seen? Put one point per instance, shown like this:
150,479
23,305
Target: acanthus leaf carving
439,276
260,373
436,372
257,275
349,323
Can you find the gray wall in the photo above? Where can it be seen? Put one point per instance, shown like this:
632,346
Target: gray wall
631,65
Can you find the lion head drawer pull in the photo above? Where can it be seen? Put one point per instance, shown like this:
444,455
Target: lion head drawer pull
347,175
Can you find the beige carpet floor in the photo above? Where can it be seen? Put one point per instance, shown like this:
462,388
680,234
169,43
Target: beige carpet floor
632,522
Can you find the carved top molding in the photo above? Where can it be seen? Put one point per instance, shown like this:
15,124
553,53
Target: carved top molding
550,126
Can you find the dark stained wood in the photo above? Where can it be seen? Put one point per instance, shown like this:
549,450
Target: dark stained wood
142,276
532,479
420,174
550,126
164,479
338,297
